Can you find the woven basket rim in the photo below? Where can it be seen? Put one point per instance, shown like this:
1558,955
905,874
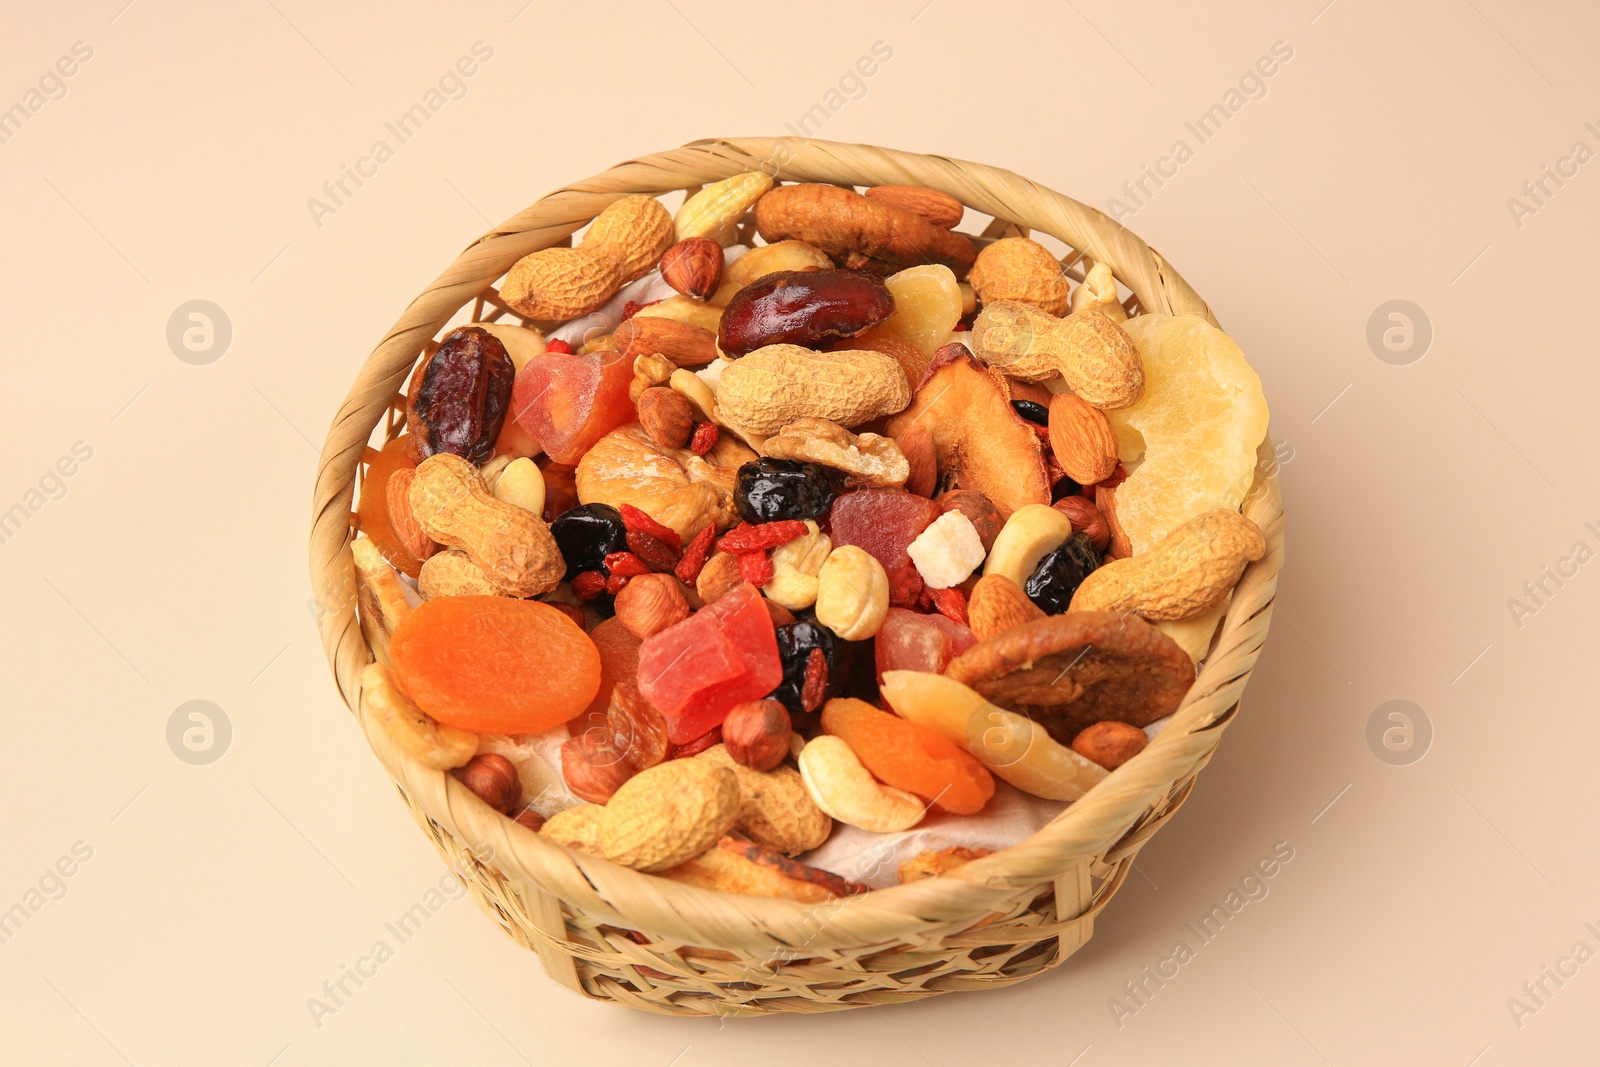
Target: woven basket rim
1087,828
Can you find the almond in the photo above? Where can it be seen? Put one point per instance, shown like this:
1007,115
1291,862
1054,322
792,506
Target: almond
693,267
666,417
397,494
1082,439
997,604
1118,546
941,209
1086,519
685,344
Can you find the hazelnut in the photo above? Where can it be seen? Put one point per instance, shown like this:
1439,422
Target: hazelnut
978,509
1086,519
494,779
693,267
650,603
756,734
594,766
1109,743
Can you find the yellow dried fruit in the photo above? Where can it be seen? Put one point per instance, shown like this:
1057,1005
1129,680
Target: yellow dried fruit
927,305
1197,427
713,211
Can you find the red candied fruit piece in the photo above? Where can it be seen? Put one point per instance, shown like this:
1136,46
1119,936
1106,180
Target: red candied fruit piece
909,641
695,671
558,347
884,522
568,402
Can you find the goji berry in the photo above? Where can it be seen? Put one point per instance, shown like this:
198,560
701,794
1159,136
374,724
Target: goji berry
747,538
815,685
559,347
615,583
756,568
711,737
656,553
951,603
695,556
638,519
589,584
626,565
704,439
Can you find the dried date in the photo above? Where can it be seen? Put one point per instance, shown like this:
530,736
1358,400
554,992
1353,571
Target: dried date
458,397
809,308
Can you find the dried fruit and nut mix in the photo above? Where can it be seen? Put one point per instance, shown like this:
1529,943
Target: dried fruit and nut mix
728,553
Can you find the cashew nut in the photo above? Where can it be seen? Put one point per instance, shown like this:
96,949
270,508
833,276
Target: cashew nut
795,567
844,789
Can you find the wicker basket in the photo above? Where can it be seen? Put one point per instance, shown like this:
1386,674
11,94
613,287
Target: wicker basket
615,934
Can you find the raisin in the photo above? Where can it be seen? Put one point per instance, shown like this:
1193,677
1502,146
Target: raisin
587,534
704,438
768,490
458,397
1059,574
796,642
659,555
1033,411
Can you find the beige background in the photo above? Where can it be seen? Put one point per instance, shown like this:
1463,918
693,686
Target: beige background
219,898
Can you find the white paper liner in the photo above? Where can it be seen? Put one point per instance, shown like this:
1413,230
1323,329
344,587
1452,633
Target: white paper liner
608,317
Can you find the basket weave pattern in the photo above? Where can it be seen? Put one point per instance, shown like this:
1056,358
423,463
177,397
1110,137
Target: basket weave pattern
616,934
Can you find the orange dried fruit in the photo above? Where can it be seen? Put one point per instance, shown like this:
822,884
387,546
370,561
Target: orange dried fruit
980,440
494,664
372,513
910,756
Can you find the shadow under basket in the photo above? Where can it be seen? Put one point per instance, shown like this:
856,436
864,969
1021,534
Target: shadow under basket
646,942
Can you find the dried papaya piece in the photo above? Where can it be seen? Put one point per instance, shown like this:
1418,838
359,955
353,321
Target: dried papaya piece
494,664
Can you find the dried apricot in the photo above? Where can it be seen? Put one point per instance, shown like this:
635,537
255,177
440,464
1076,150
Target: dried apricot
910,756
494,664
372,513
619,662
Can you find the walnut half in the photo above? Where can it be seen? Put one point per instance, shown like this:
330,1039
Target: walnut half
869,459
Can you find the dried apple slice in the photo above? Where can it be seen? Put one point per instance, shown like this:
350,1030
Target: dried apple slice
980,440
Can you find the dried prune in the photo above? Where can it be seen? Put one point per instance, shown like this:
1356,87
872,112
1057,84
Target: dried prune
801,307
458,397
1060,572
587,534
796,642
771,489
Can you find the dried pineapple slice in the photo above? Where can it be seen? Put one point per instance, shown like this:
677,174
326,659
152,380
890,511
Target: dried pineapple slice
1197,427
